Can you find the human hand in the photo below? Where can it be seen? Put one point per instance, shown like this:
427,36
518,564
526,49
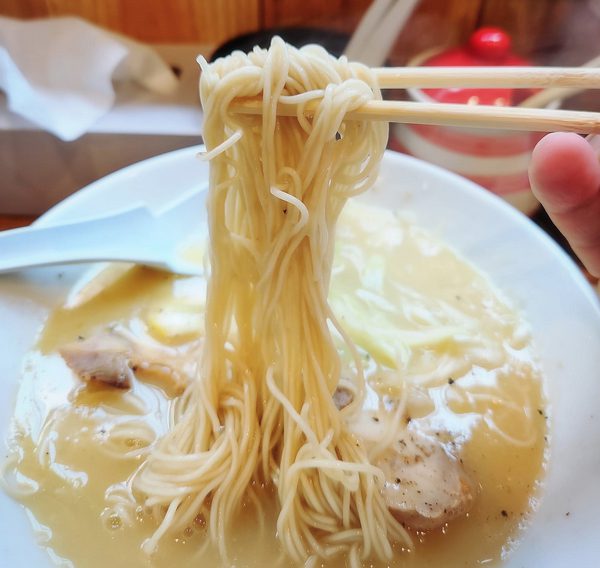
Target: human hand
565,177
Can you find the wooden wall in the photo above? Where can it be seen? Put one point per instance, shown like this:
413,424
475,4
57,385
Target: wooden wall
535,24
153,21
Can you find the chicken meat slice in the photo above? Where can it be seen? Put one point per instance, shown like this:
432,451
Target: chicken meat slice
106,358
425,485
114,358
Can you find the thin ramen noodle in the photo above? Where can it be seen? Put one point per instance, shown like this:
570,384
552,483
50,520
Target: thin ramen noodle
262,410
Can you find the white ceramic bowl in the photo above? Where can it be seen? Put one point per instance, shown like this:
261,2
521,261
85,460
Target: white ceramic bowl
560,305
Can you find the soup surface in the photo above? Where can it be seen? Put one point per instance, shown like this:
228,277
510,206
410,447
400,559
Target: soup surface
430,329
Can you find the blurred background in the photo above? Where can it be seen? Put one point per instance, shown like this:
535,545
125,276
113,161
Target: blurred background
38,169
563,31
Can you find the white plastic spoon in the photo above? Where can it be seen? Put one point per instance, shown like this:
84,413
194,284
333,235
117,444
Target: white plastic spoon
133,235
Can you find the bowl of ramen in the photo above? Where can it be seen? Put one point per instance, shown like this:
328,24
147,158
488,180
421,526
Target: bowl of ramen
378,364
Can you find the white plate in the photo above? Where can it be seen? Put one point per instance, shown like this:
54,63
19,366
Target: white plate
560,305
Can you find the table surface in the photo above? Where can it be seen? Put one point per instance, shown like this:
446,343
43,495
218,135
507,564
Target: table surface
14,221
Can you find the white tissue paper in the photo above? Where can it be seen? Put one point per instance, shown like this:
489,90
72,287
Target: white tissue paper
61,73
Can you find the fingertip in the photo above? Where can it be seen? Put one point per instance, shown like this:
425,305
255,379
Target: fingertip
564,171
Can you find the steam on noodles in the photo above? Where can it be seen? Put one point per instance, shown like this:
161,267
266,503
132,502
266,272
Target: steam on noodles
262,409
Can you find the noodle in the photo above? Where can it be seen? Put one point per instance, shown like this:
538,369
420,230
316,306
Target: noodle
262,409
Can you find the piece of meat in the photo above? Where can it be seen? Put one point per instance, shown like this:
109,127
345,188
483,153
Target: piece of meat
342,397
106,358
114,357
425,486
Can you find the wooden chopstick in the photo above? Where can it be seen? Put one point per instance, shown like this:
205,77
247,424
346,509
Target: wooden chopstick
546,96
474,116
481,77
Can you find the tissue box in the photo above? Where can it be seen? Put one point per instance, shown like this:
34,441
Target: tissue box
39,170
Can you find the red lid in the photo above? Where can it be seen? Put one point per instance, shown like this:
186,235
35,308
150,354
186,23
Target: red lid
486,47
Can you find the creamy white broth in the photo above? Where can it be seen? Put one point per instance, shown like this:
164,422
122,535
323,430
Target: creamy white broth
427,323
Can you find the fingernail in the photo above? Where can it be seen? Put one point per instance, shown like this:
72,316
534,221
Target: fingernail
594,140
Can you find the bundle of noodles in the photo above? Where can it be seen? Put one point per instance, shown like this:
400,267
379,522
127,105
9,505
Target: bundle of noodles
262,409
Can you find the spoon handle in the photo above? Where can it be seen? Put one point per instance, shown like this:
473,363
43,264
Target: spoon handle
125,236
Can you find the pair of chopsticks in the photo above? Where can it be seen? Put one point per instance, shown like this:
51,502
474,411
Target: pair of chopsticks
479,116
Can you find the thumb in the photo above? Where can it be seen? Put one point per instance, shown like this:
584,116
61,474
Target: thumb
565,177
